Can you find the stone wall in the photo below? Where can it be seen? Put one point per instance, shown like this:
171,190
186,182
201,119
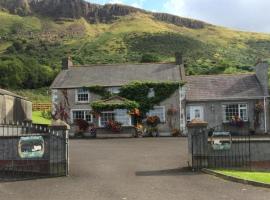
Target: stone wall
13,109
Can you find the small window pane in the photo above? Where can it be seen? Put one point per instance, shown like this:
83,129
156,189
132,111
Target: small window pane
105,117
82,95
235,110
114,90
122,116
82,114
88,116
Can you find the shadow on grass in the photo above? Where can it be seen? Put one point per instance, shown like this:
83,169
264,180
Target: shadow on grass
184,171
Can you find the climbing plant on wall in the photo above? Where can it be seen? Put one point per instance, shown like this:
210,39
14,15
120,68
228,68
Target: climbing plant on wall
138,92
99,90
99,106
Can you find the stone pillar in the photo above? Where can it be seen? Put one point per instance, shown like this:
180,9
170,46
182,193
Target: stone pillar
59,125
197,143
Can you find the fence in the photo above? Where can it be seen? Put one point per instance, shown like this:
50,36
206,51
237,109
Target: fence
222,150
30,151
42,106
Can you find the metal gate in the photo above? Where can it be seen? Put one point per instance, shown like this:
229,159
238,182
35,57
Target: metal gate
30,151
221,152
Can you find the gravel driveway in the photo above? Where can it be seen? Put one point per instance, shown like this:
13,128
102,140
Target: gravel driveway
130,169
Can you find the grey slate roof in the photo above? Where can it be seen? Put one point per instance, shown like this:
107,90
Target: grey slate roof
5,92
115,75
223,87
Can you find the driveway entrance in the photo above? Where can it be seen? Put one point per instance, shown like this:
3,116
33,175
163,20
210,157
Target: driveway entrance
131,169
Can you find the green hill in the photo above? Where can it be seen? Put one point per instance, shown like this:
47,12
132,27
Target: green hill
32,43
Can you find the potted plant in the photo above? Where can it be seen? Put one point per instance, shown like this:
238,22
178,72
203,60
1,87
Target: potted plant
114,126
81,127
236,121
152,123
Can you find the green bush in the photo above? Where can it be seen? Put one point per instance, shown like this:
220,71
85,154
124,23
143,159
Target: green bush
150,58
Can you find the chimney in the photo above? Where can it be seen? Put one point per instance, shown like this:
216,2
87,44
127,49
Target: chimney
66,63
261,70
180,63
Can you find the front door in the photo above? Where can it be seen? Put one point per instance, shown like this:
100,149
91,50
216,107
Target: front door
194,112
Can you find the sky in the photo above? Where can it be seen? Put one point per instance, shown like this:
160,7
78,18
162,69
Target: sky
247,15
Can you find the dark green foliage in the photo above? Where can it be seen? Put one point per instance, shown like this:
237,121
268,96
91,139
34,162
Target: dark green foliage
24,72
150,58
11,73
136,95
99,90
164,44
99,106
138,91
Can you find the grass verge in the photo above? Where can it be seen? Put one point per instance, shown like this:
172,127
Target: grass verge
262,177
38,119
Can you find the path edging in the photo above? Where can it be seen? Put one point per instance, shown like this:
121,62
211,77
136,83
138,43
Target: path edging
234,179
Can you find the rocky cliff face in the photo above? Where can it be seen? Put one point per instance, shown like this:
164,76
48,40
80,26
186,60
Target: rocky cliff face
20,7
94,13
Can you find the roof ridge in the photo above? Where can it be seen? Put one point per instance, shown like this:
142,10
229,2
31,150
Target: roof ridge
213,75
119,64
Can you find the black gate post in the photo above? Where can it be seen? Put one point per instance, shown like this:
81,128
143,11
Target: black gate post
198,144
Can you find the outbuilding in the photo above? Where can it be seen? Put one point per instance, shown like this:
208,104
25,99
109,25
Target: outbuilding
14,108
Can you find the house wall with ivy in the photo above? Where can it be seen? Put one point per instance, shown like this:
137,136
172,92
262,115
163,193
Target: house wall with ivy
66,98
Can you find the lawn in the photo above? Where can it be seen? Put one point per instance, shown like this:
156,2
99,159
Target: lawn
263,177
38,119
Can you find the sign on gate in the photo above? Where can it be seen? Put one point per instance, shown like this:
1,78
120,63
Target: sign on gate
221,141
31,147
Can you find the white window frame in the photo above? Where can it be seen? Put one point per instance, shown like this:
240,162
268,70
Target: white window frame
239,109
99,118
83,110
193,107
129,117
112,112
114,90
77,99
163,112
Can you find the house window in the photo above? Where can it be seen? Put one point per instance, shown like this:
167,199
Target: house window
194,112
114,90
82,114
158,111
233,110
122,116
82,95
105,117
119,115
151,93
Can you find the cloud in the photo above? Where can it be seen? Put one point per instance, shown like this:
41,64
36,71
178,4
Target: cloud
138,3
116,1
250,15
175,6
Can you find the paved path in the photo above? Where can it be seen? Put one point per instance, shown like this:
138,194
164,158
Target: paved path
130,169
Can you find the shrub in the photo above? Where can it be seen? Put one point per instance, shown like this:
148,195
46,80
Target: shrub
152,121
114,126
82,125
46,114
150,58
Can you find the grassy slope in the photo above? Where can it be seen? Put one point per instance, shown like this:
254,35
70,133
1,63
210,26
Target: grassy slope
209,50
262,177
